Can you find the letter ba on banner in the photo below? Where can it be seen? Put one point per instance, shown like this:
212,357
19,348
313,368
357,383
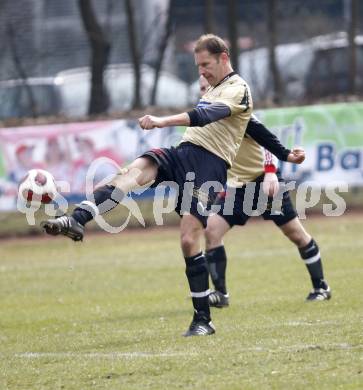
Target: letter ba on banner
332,136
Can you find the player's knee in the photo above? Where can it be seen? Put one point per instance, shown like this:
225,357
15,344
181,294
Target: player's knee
136,174
212,236
298,237
187,242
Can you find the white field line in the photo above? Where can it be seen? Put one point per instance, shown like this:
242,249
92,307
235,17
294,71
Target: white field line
299,323
100,355
136,355
313,323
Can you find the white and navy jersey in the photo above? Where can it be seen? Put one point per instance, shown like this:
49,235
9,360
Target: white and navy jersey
252,158
270,159
219,121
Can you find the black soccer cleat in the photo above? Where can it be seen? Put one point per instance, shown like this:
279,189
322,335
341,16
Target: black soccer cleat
65,225
200,326
319,294
217,299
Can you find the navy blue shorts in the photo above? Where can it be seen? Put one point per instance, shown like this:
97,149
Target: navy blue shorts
251,200
199,175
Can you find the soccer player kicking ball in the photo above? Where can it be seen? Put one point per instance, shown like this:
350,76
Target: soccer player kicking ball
215,131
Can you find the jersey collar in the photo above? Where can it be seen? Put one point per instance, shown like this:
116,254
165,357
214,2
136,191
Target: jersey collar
229,75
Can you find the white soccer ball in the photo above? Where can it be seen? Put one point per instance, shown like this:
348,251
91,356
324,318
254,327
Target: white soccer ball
38,186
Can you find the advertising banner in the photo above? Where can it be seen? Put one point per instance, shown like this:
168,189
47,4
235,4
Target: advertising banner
67,150
332,136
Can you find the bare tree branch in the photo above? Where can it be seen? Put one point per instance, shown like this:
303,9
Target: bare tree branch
209,16
100,52
352,30
161,53
20,69
232,32
135,54
271,33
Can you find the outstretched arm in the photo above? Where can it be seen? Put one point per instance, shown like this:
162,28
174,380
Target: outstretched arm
199,116
259,132
148,122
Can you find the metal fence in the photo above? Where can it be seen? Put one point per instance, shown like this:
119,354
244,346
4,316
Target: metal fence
40,38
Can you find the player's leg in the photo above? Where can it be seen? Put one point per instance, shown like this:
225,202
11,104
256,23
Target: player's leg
191,233
291,226
140,172
310,254
231,212
216,257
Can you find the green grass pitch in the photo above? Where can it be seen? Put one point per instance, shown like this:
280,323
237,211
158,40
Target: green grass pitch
109,313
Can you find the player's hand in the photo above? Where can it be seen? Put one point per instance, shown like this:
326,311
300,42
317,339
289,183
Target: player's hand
296,156
148,122
270,184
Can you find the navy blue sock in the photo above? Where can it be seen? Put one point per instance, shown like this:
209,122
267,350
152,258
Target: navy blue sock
197,274
106,198
217,263
310,254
